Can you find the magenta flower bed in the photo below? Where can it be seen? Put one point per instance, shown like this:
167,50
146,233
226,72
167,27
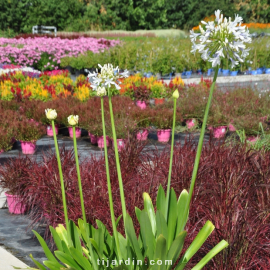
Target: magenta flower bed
32,48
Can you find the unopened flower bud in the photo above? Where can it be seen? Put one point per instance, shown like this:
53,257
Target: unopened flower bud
73,120
175,94
51,114
101,91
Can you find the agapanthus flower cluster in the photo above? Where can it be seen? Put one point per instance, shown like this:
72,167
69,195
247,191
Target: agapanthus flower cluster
222,38
108,76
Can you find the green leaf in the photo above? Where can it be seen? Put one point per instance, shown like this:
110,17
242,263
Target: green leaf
138,213
176,248
162,227
52,265
148,206
101,225
67,259
56,239
75,236
181,204
161,201
148,238
47,251
121,267
213,252
196,244
123,245
95,245
118,220
172,217
99,238
39,265
65,248
160,253
132,237
62,233
80,259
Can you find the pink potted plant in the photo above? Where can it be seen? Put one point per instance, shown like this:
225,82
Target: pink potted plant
50,131
219,132
28,133
141,95
162,120
78,132
217,121
142,119
10,186
73,120
191,123
15,204
124,127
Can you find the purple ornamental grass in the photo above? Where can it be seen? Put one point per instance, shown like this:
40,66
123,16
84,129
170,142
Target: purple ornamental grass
232,190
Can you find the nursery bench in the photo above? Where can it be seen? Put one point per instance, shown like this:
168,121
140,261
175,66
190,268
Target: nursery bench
41,29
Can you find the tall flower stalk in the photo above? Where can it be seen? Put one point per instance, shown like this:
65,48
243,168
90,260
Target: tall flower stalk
51,115
118,168
175,97
115,233
73,121
101,81
222,38
200,144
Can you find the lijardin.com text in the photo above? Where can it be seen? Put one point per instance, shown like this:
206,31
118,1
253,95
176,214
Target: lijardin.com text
107,263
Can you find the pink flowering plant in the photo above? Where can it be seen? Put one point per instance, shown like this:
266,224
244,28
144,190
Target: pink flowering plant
46,53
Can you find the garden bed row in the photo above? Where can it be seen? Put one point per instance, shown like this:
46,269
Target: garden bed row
153,55
23,118
241,218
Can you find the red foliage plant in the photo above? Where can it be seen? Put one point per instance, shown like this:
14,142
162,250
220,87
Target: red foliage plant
232,191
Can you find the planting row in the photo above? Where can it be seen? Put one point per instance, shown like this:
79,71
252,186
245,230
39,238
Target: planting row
154,55
241,109
45,53
234,181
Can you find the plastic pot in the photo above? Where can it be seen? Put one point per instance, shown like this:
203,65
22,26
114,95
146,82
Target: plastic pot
163,135
93,138
15,205
121,143
190,123
142,135
50,130
78,132
219,132
141,104
159,101
225,72
28,148
100,141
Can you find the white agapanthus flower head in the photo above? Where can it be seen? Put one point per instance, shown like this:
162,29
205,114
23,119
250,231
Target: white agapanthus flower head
73,120
101,91
51,114
222,38
108,76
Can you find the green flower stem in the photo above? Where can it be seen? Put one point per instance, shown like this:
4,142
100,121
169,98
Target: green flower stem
109,183
61,176
122,195
171,160
81,197
200,145
78,172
